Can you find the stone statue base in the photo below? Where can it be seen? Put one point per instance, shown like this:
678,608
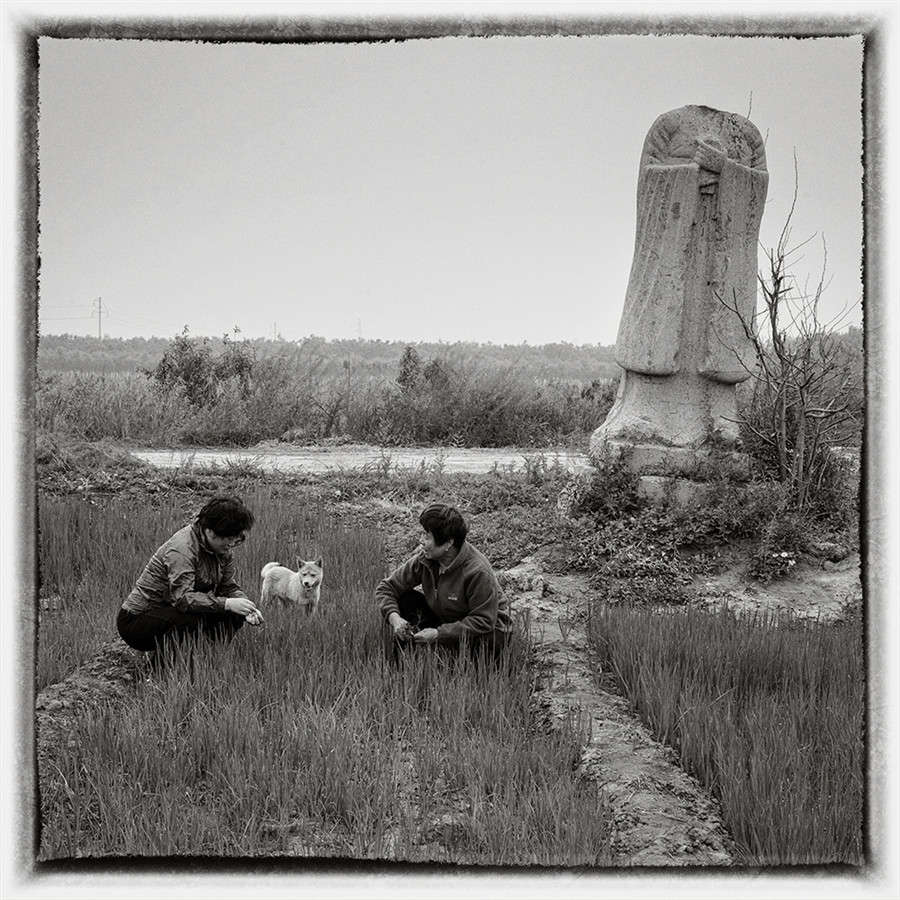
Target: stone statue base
685,429
673,474
675,462
682,411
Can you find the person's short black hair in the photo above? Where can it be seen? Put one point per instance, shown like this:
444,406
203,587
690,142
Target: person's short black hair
445,523
226,516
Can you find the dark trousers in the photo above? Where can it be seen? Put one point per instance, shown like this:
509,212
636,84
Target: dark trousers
416,611
147,630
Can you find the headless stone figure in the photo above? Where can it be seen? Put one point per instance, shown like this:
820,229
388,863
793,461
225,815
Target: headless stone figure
700,197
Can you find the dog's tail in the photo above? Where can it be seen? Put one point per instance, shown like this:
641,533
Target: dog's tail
268,568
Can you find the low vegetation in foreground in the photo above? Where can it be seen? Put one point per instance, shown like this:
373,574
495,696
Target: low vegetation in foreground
767,713
299,739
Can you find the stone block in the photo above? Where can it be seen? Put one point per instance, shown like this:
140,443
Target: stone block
677,491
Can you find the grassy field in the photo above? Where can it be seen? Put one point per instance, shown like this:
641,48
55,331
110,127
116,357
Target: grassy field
93,547
767,712
299,738
91,553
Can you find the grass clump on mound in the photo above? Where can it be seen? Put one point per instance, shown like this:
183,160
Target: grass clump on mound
641,551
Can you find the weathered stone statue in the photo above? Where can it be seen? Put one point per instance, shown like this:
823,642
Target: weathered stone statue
700,196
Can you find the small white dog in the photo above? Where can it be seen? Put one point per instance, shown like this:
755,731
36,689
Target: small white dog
300,588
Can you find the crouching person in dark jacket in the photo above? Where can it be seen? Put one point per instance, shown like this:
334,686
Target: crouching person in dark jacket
447,593
188,587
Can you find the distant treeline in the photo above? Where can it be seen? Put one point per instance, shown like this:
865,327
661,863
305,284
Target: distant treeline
368,358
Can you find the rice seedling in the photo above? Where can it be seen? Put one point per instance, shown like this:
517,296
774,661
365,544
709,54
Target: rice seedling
766,711
89,557
299,738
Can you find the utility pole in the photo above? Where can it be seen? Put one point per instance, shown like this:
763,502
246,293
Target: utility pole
99,304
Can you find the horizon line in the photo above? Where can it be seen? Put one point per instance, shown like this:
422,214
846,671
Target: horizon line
284,340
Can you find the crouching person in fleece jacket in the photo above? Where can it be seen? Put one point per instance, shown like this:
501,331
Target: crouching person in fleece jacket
188,588
460,601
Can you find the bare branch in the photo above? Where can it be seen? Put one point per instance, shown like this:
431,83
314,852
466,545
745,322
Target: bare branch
804,387
786,230
765,438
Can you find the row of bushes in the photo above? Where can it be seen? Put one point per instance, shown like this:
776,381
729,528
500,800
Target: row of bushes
478,407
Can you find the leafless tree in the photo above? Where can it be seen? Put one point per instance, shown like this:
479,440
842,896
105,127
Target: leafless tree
805,384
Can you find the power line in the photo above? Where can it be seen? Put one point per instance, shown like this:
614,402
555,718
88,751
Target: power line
63,318
152,323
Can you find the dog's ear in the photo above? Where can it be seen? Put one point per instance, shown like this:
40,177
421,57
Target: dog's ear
319,562
299,563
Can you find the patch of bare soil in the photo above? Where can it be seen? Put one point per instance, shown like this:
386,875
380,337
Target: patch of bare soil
661,815
816,589
106,677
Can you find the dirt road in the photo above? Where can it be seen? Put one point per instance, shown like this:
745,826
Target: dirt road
317,459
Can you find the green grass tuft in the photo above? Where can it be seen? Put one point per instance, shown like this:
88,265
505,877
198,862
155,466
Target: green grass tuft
766,711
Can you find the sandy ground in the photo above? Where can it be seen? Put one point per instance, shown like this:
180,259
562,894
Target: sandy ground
815,590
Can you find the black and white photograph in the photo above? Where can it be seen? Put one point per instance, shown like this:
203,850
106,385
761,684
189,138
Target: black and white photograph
449,447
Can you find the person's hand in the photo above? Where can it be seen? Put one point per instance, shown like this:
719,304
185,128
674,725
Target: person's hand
426,636
709,157
255,618
240,606
400,626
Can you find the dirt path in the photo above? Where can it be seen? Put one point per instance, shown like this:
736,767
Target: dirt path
317,459
106,678
662,816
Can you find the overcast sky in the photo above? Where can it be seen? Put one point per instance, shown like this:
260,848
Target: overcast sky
445,189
